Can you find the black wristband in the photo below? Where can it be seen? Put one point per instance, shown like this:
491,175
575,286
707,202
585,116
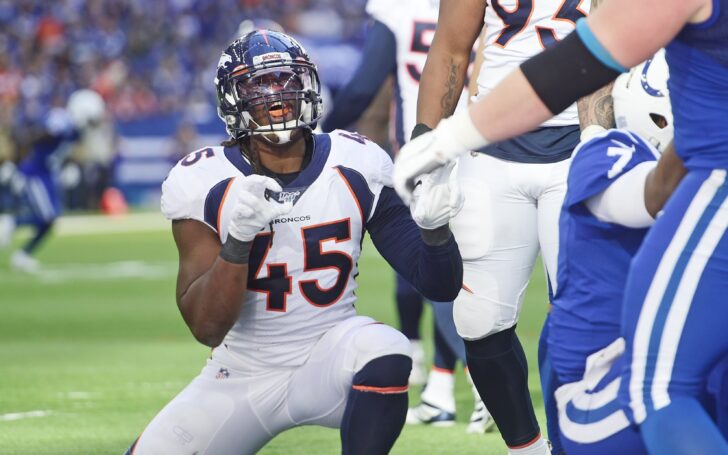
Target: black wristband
436,237
419,130
580,73
236,251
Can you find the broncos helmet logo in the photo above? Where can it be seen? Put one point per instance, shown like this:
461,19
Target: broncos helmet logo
225,58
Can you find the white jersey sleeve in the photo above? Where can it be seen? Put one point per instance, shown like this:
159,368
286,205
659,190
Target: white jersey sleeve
177,202
384,11
191,183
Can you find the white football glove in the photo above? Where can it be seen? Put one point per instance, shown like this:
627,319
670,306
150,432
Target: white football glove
437,198
253,211
452,138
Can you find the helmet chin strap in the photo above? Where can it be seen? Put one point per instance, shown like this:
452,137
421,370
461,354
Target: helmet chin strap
276,137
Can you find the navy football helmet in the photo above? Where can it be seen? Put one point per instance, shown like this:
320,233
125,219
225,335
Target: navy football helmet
267,85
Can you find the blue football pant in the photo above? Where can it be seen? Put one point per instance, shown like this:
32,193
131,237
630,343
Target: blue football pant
674,317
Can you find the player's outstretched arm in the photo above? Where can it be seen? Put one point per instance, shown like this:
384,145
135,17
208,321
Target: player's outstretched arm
620,34
429,259
458,26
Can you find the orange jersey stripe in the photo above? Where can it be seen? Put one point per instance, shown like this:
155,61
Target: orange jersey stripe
443,370
383,390
222,203
353,194
538,436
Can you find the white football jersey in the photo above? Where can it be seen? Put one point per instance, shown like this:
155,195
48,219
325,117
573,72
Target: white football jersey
519,29
413,24
302,272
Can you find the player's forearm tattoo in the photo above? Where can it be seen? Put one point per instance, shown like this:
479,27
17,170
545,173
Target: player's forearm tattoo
604,111
597,109
452,95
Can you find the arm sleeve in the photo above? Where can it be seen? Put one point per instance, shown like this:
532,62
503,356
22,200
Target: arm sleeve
623,201
379,59
435,271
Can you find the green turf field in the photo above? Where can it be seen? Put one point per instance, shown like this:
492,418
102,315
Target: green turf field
93,347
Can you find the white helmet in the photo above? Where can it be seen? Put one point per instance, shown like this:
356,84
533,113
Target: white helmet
642,102
85,107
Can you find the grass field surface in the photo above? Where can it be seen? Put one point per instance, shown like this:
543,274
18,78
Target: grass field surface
94,346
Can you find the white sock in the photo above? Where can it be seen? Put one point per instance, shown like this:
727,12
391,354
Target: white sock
418,352
439,390
540,447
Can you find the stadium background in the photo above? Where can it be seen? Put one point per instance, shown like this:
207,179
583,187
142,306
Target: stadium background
93,346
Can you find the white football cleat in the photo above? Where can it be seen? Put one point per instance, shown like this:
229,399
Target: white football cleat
23,262
480,420
426,414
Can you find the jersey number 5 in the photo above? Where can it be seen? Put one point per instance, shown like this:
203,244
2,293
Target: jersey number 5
421,41
515,21
278,285
422,34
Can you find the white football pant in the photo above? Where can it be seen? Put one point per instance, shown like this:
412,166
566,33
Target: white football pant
510,210
231,409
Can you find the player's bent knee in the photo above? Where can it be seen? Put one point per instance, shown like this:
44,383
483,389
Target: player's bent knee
474,317
386,375
378,340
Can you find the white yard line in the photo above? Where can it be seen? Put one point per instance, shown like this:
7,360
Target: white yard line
96,272
24,415
101,224
76,395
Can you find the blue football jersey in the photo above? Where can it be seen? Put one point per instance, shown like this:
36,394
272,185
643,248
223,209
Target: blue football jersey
47,154
594,256
698,84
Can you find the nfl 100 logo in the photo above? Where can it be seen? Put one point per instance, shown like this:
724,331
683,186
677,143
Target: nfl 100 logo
222,374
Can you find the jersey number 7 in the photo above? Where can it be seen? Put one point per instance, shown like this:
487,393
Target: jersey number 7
278,285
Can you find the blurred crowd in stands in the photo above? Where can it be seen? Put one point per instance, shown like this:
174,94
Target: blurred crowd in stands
147,58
